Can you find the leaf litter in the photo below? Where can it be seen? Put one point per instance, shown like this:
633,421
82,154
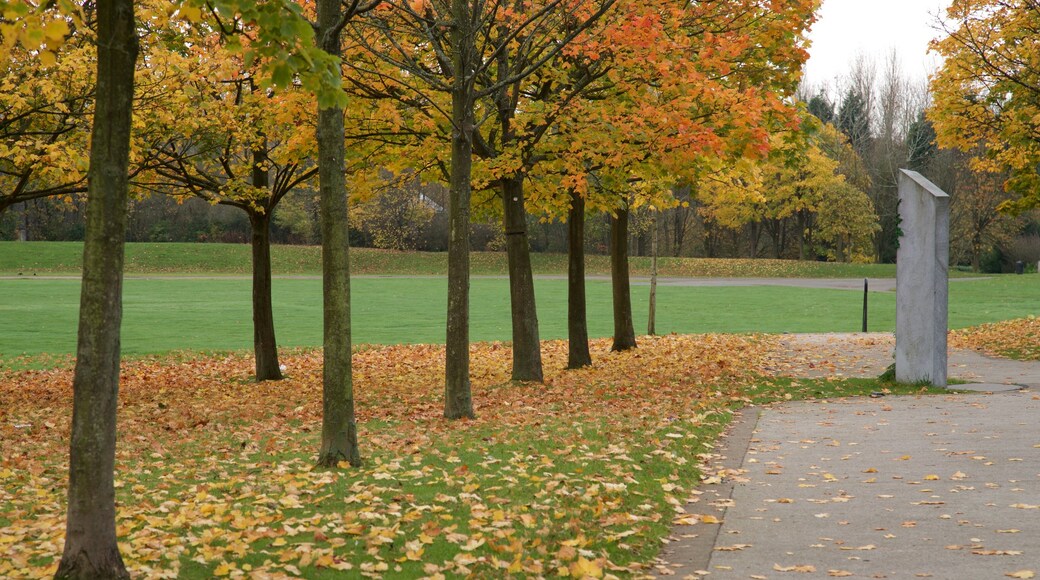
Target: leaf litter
575,477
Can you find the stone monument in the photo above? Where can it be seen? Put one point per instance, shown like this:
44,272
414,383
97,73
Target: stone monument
922,277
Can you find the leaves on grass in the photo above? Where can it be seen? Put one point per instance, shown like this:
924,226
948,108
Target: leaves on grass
214,471
1017,339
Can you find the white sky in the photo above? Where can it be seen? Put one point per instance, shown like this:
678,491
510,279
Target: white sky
845,29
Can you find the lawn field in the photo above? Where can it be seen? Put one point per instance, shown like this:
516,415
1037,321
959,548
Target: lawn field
163,314
28,258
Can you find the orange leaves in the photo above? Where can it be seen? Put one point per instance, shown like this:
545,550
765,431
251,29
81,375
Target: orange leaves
985,96
215,469
1018,338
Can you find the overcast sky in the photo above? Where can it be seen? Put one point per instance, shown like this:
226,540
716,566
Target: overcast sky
846,28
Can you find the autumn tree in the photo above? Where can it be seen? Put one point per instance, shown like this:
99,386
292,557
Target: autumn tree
339,426
90,549
458,57
45,118
395,216
987,93
232,142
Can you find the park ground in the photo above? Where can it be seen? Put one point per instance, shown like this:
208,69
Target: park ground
580,477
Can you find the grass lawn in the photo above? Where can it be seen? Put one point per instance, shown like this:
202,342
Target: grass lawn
39,316
151,258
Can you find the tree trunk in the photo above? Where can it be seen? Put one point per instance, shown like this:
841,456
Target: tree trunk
651,326
265,347
458,398
802,250
91,550
339,427
527,355
577,324
624,332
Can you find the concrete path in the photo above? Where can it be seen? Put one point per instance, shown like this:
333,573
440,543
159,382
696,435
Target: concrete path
862,355
942,486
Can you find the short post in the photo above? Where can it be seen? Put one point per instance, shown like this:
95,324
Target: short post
865,288
922,276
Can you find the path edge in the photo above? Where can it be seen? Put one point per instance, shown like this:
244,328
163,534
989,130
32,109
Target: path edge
683,556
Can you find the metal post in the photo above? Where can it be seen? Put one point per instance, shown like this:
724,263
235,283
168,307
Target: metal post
865,288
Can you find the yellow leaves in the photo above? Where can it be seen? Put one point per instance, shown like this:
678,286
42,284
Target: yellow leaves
801,568
55,31
1018,338
190,12
582,568
1021,574
693,519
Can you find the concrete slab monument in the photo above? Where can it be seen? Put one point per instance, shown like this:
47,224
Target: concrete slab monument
922,280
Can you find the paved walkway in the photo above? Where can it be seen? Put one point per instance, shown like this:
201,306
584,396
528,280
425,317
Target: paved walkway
869,354
944,486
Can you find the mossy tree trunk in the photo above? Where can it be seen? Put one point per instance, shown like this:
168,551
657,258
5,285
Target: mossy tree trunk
265,347
458,396
624,332
90,549
577,322
527,355
339,427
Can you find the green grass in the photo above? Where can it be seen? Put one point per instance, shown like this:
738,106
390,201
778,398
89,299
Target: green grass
39,315
21,258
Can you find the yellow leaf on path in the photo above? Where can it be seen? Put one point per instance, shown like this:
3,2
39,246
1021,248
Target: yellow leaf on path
1026,574
804,568
839,573
710,520
931,477
733,548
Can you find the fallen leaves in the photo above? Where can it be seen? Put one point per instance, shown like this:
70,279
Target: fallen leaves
215,471
802,568
1017,339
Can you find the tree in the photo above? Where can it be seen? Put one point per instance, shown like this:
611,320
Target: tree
987,93
339,426
445,59
624,330
395,216
90,549
578,354
821,107
44,121
231,142
854,120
